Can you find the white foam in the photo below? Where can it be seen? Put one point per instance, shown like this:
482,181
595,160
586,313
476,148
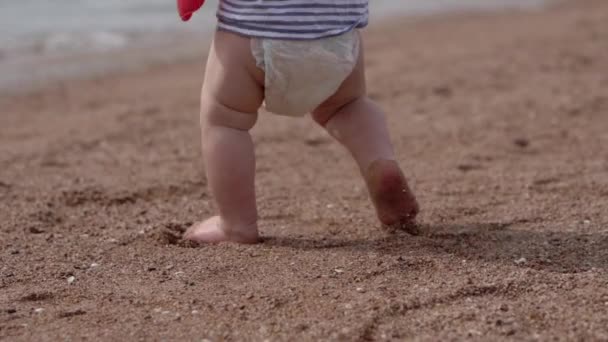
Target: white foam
93,41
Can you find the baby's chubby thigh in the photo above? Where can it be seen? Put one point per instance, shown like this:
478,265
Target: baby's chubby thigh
233,89
352,89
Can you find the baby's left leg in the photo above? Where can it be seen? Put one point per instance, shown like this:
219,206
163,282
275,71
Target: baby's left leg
359,124
231,96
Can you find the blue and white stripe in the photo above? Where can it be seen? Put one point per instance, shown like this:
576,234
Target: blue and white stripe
292,19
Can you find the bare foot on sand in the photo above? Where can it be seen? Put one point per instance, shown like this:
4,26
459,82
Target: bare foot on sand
396,205
212,231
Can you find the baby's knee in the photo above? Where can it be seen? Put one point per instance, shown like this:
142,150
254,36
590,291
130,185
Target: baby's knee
214,113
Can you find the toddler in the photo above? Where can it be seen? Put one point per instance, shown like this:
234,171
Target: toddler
294,57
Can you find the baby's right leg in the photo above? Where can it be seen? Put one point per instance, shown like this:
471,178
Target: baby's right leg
231,96
359,124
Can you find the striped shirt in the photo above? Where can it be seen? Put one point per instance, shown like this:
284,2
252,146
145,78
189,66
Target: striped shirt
292,19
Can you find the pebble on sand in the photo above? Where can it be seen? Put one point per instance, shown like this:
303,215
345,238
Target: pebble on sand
71,279
521,261
39,310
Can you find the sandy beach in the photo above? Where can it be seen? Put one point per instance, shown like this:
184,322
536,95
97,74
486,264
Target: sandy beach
501,121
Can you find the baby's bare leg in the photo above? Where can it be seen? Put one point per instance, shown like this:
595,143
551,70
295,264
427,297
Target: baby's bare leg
231,96
359,124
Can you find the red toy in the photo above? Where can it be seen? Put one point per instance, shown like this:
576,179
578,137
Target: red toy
187,7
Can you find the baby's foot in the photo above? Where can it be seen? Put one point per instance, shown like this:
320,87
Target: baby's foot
212,231
396,205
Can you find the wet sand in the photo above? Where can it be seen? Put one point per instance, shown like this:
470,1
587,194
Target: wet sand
501,121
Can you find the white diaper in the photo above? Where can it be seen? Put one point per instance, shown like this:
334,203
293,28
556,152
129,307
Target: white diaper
300,75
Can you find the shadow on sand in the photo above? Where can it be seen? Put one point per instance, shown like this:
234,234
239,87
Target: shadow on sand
563,252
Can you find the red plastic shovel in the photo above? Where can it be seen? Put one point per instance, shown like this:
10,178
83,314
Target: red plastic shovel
187,7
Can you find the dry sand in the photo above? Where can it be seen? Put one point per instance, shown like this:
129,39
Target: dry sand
501,120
